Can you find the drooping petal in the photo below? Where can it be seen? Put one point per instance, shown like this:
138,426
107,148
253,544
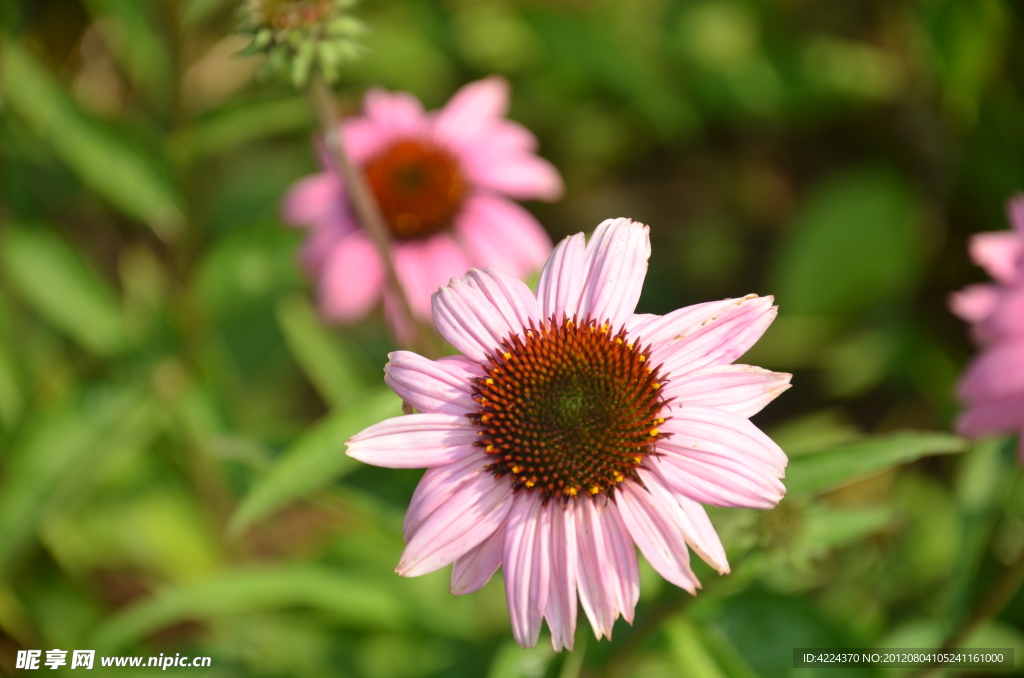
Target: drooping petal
527,566
697,529
1001,416
995,374
609,578
414,441
472,110
352,278
740,389
720,482
423,266
499,233
470,516
712,430
472,571
438,485
468,321
440,386
998,253
561,282
561,604
616,265
510,297
655,523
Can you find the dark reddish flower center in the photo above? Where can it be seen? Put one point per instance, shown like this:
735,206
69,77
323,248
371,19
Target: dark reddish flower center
570,409
419,186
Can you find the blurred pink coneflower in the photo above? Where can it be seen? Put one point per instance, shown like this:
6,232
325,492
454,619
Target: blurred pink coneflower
993,386
443,181
571,428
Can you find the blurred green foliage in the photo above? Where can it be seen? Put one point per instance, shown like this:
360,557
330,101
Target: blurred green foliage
172,410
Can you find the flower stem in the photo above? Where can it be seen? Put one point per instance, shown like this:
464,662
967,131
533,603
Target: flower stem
363,201
993,604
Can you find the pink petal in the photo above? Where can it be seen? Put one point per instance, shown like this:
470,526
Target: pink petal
442,386
996,374
1015,212
423,266
472,571
998,253
740,389
701,534
389,116
616,266
437,486
561,282
510,297
352,279
719,340
415,441
658,329
470,516
655,523
470,323
500,233
314,200
991,418
609,579
527,566
1007,319
974,303
524,176
472,110
561,604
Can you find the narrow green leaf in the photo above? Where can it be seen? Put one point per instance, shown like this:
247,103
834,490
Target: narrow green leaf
351,601
315,460
324,360
512,661
52,278
114,169
815,473
55,452
688,652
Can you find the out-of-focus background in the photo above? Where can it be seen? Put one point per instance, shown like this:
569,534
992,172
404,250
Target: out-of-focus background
172,410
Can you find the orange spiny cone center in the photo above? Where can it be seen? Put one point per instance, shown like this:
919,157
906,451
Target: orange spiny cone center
419,186
570,409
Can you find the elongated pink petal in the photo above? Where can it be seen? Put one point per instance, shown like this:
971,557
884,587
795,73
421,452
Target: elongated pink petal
472,571
561,282
720,482
509,296
661,329
561,604
433,386
423,266
697,529
470,516
710,430
472,111
438,485
975,302
314,200
720,340
616,266
500,233
998,253
352,279
1006,322
414,441
399,112
609,578
995,374
520,175
740,389
1002,416
468,321
655,523
527,566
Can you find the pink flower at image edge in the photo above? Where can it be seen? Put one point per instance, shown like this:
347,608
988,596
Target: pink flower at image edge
445,181
571,429
993,386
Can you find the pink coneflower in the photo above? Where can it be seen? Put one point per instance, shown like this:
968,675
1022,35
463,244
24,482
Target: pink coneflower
993,387
442,180
571,429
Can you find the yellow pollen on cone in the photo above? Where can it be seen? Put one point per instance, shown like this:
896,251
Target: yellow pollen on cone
654,432
619,477
642,358
595,489
571,491
638,459
517,469
490,381
530,483
508,356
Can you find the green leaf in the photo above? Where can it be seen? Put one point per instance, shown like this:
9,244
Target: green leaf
349,600
52,278
855,245
111,167
235,125
315,460
56,451
512,661
688,651
331,370
816,473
